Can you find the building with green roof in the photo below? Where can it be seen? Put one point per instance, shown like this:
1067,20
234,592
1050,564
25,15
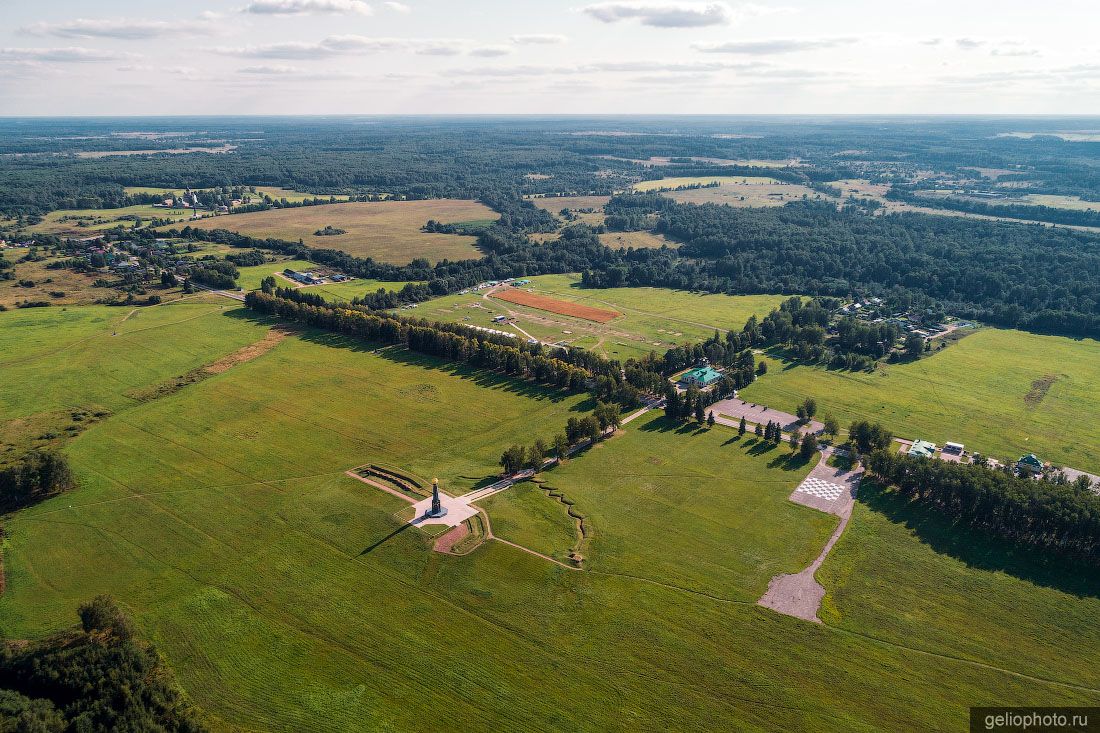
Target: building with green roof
922,449
700,377
1030,464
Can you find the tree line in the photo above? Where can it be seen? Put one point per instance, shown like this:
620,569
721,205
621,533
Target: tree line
1063,519
1029,212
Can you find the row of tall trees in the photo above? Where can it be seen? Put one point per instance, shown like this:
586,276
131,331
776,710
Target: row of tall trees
454,343
1060,518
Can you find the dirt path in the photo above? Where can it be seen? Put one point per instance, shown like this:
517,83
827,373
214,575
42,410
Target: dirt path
274,337
799,594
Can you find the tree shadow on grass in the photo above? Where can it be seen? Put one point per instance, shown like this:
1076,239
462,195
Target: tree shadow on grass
760,447
979,550
736,438
399,355
789,462
660,425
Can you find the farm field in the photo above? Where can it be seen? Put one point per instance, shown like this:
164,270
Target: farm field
877,192
1059,202
1042,400
654,319
216,150
283,596
386,230
733,190
251,277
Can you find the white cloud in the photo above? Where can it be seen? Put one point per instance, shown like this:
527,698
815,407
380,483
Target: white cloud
120,28
270,70
71,54
547,39
490,51
612,67
347,45
307,7
772,45
1010,51
662,14
969,44
398,7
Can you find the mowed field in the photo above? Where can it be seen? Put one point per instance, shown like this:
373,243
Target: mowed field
555,305
388,231
63,366
287,596
636,240
654,319
733,190
1003,393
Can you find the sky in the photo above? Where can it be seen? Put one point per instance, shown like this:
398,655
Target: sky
120,57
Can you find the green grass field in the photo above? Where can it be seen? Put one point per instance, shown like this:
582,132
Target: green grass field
903,574
1003,393
61,366
286,596
683,506
654,319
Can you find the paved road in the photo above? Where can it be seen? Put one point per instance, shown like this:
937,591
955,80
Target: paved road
755,414
829,490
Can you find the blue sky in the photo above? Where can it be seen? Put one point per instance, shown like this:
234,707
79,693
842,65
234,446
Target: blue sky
552,56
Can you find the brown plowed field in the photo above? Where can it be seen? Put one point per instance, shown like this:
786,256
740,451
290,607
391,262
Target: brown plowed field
553,305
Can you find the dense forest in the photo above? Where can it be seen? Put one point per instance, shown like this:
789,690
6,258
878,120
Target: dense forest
1025,276
98,679
469,157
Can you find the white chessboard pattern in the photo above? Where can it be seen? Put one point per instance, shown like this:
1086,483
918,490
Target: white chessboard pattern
822,489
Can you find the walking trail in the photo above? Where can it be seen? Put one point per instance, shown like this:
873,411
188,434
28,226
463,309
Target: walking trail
830,490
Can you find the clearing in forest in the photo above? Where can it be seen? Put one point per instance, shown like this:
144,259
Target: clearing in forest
389,231
732,190
553,305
